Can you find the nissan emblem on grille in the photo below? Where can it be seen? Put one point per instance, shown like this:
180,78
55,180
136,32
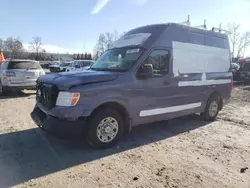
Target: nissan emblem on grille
46,95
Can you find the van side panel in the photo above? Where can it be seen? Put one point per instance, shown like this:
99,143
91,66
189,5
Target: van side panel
200,59
200,65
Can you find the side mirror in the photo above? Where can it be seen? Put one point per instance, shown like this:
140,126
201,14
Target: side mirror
146,71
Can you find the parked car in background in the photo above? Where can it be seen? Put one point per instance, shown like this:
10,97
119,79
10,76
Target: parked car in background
243,61
19,74
64,66
79,65
45,64
59,67
138,81
244,72
54,67
235,70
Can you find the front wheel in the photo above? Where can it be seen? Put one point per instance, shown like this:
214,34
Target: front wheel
212,108
104,128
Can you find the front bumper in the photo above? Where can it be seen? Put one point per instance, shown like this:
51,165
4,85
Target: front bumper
20,87
61,128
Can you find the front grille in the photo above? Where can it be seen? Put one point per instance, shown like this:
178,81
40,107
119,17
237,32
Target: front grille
46,94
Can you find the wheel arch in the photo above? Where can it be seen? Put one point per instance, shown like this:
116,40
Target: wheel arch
120,108
219,95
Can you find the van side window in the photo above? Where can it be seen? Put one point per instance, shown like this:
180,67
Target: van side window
160,62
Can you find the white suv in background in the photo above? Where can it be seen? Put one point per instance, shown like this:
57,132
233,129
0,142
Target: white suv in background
59,67
19,74
79,65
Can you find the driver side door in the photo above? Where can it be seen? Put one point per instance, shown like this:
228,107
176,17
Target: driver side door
154,94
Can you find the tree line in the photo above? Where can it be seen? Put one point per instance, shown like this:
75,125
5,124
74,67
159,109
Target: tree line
239,41
13,48
86,56
104,42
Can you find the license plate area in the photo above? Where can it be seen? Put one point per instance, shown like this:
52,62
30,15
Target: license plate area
29,74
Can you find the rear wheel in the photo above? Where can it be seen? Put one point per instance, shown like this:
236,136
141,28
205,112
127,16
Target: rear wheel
212,108
104,128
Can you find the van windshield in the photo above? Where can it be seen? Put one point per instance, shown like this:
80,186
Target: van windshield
121,59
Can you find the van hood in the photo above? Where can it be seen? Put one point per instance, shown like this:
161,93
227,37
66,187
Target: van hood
66,80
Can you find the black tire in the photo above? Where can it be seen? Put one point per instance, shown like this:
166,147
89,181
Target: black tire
92,126
213,99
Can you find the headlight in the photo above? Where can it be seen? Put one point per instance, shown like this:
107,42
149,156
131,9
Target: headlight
67,98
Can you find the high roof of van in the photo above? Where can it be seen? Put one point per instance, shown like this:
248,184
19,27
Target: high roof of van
182,27
165,34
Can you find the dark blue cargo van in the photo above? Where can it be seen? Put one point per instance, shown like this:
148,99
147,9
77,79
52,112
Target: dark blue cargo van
153,73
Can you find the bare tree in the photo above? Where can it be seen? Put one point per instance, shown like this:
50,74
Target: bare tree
1,44
109,39
100,46
89,56
244,42
234,36
82,56
239,41
78,56
104,42
116,35
36,45
14,47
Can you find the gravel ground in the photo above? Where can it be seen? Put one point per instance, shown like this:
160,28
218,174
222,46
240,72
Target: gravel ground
180,153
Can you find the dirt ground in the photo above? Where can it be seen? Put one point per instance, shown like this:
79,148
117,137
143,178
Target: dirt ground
180,153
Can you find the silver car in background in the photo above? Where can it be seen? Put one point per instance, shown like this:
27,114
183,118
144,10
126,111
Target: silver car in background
79,65
19,74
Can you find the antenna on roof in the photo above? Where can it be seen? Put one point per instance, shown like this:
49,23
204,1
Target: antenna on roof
187,22
204,25
221,30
